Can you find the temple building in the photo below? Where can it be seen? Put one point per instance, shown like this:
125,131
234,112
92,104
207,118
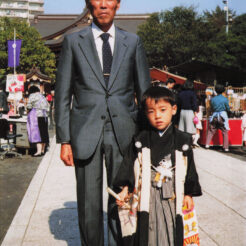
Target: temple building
53,27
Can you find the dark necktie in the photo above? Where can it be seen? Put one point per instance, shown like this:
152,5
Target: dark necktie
107,56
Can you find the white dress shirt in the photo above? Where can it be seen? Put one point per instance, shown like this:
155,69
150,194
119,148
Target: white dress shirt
98,40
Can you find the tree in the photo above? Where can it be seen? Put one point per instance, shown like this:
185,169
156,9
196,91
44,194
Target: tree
33,50
172,37
181,35
239,25
238,47
226,50
217,18
151,33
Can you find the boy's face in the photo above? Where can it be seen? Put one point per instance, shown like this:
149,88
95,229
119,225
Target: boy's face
159,113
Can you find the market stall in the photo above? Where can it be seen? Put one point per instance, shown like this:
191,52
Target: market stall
163,75
237,103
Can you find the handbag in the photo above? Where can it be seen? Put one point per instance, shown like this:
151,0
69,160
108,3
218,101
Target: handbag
195,120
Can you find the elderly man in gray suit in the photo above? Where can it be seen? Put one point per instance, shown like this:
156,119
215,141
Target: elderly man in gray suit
101,71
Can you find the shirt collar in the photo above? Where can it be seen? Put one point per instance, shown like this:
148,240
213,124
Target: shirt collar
161,133
97,31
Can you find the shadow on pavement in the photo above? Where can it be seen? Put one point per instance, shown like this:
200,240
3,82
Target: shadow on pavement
63,224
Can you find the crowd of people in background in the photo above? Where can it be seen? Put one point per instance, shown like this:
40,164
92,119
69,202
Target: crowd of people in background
35,108
188,118
191,109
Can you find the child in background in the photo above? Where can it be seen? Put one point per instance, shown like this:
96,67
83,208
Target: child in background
11,113
198,124
21,107
159,169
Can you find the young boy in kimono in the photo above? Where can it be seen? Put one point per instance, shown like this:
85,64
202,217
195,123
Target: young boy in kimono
159,170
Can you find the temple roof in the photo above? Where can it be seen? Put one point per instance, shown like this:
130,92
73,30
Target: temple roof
47,25
52,28
163,75
35,74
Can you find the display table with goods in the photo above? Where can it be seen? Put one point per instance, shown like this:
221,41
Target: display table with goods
20,128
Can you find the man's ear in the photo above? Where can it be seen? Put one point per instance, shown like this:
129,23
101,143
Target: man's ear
174,109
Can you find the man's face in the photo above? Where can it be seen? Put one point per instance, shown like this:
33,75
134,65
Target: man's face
159,113
103,12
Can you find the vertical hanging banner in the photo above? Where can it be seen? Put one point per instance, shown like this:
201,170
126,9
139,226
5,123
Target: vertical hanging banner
14,47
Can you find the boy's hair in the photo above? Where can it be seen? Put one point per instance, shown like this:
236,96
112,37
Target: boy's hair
158,93
219,88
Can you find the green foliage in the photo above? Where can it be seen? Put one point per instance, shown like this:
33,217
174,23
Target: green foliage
239,25
33,50
180,35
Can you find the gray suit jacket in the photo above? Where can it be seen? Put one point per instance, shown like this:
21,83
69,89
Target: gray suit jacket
82,97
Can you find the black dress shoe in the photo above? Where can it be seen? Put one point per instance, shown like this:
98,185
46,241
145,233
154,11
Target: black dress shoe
37,155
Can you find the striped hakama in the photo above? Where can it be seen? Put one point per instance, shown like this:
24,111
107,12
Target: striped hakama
161,217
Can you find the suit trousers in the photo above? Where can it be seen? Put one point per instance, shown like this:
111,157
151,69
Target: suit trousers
89,175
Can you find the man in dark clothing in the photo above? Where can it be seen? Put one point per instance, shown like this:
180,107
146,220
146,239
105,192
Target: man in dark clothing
3,102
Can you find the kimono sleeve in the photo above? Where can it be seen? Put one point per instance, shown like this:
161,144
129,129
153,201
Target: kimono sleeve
192,185
125,174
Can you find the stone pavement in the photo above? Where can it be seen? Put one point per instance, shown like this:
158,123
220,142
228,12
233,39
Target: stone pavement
222,208
47,215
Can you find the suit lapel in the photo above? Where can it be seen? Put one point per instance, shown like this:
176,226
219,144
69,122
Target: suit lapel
88,47
119,53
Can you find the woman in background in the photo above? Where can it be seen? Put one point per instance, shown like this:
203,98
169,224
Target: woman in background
187,103
37,122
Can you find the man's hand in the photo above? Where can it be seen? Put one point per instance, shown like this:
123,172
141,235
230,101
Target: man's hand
188,203
67,155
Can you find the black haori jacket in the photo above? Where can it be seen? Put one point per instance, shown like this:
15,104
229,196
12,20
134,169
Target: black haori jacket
135,172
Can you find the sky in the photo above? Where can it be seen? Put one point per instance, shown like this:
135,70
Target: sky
143,6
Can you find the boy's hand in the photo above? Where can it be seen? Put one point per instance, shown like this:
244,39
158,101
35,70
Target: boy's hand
188,203
123,197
